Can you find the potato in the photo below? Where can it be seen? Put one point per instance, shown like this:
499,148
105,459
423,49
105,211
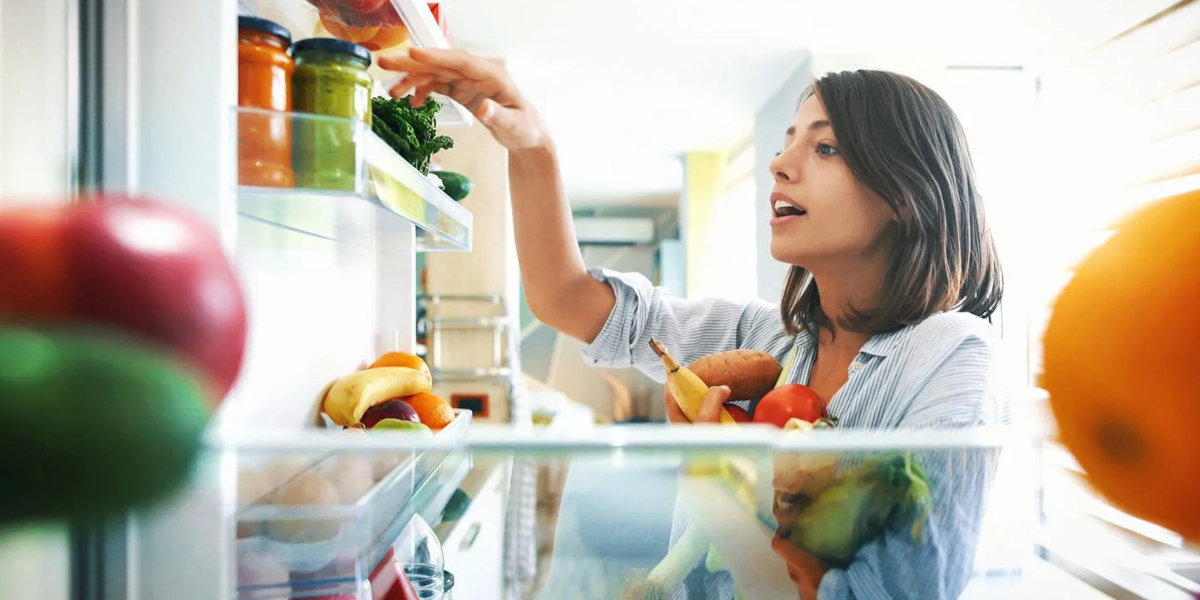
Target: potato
748,373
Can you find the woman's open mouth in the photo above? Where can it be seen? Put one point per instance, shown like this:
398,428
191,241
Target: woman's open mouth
785,209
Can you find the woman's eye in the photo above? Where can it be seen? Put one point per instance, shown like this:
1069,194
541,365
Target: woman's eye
826,149
778,153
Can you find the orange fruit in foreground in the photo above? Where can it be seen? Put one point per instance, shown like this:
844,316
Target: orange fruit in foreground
1122,365
433,410
400,359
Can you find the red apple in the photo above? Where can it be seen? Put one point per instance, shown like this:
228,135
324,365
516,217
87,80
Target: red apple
389,409
153,269
738,413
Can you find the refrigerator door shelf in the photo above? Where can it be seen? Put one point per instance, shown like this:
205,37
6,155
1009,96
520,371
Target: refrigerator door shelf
303,19
352,189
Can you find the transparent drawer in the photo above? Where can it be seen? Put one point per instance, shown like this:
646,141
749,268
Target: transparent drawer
319,522
638,511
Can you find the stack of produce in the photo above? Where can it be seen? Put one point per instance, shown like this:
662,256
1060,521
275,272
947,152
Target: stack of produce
122,325
836,513
394,392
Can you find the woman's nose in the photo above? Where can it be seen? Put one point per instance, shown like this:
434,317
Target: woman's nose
781,170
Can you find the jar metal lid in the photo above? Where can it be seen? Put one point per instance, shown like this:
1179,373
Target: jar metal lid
265,26
332,45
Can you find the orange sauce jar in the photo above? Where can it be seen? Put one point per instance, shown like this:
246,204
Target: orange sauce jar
264,82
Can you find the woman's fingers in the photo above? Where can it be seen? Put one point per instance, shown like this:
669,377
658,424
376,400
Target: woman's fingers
469,65
714,401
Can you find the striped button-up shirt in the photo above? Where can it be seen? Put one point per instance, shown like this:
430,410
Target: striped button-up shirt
935,374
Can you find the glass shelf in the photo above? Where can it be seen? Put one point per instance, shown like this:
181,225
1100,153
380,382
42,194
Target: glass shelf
350,188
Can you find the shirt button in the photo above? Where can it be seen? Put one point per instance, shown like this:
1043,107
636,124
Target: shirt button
855,367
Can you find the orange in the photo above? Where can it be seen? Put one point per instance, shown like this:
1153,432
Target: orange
400,359
1122,365
433,410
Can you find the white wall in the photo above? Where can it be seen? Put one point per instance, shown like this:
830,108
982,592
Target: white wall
769,124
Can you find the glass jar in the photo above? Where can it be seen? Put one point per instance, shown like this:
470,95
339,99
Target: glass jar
264,82
330,79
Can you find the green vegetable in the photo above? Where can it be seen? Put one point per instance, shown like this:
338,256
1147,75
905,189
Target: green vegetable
91,424
410,131
456,185
662,580
713,562
859,506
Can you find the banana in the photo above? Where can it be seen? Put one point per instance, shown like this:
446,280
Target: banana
685,386
353,394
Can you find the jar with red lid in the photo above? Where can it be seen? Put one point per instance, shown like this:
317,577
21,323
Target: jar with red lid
264,83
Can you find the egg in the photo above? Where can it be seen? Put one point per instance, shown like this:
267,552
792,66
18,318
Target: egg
307,489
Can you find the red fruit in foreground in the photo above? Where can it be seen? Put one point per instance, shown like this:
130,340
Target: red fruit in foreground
155,270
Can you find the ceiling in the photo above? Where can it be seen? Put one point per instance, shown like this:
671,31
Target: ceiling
627,87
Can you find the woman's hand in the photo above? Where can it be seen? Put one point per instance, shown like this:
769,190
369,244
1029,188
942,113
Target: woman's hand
478,84
710,409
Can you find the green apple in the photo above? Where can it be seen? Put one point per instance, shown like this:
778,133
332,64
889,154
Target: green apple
402,424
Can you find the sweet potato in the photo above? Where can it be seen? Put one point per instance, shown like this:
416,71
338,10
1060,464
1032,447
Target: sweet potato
748,373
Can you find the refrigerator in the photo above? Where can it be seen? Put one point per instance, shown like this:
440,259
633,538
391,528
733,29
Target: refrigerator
140,97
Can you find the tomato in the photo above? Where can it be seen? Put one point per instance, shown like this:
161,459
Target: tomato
787,402
738,413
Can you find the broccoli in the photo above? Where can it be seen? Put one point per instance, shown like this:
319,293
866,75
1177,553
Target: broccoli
410,131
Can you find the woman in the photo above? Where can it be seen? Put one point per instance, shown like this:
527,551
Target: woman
893,275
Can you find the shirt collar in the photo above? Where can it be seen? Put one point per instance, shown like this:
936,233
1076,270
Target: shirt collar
882,344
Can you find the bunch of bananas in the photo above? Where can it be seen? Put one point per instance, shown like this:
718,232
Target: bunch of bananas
349,397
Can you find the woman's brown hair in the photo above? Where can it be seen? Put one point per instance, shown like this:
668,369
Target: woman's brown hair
904,142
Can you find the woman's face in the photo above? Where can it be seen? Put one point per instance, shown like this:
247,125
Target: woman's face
822,215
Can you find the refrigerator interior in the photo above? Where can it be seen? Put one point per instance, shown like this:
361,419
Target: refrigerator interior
331,279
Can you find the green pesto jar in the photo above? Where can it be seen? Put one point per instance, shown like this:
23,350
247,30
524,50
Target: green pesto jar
330,79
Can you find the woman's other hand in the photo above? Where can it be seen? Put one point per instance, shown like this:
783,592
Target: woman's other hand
478,84
710,409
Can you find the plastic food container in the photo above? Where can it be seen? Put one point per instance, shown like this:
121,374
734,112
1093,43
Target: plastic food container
380,29
264,82
330,79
